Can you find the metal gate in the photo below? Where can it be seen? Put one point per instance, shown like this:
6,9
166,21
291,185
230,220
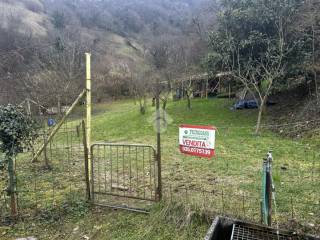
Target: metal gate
124,176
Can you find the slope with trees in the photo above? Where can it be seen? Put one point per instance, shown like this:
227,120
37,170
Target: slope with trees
256,42
35,51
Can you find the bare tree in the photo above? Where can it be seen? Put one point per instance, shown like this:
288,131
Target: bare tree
161,57
141,86
57,79
259,76
184,58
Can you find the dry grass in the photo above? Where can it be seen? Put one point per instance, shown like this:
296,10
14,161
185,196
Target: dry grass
28,13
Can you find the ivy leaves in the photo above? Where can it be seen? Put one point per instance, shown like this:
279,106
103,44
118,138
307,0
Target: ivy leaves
17,130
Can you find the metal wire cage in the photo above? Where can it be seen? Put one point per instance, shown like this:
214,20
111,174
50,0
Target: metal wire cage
229,229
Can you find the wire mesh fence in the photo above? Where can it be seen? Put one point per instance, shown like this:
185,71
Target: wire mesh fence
231,183
55,177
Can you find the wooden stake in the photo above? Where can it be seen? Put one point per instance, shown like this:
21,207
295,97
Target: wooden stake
13,187
88,109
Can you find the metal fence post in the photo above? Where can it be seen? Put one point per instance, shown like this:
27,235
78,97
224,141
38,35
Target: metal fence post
267,190
158,140
86,161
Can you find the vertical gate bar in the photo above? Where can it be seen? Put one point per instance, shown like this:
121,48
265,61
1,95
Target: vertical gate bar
111,169
155,175
117,167
98,175
137,168
130,170
143,174
105,168
123,177
92,173
150,173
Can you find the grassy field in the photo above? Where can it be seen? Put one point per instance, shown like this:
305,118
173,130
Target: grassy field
227,184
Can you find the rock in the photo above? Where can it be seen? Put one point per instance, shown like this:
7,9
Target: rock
76,229
97,227
120,188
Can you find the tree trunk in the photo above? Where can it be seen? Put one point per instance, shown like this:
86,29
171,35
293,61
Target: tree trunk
142,102
59,105
164,104
189,101
12,189
261,110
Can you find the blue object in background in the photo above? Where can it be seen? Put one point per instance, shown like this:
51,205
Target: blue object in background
252,104
248,104
240,104
51,122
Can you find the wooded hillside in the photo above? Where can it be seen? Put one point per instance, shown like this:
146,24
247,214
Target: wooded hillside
43,43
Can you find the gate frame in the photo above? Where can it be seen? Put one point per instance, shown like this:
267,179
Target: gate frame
157,176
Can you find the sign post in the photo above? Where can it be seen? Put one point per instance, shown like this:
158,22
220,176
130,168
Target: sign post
197,140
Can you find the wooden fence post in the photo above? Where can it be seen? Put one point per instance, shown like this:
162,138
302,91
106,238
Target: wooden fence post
88,110
12,187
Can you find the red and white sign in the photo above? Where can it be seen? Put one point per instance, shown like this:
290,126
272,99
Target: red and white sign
197,140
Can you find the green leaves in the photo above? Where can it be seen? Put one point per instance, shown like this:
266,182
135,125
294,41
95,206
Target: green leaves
253,39
17,130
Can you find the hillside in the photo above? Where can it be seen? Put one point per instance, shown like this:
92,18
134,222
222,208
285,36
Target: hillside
118,33
25,16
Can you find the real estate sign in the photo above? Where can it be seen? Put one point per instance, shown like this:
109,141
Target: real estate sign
197,140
